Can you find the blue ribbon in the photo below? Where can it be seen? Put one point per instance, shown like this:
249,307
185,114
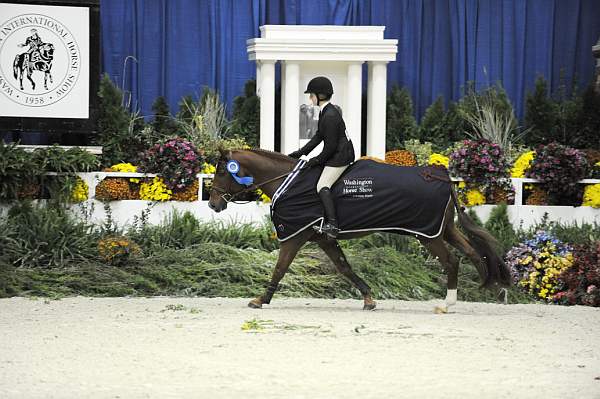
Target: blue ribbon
233,167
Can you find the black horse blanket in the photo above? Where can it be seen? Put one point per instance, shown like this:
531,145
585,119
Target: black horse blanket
369,196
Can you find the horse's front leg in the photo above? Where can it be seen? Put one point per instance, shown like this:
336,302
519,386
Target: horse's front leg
334,252
287,253
29,73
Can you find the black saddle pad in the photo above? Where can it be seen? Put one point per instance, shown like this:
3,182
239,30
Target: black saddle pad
369,196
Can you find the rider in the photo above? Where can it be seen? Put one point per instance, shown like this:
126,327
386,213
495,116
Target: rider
337,153
33,41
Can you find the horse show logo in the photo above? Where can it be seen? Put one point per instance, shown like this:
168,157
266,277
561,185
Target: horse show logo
40,60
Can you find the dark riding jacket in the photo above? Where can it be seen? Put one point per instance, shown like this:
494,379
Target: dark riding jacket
337,148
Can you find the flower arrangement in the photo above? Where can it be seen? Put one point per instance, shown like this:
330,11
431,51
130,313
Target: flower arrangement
522,164
125,168
177,161
581,283
190,193
438,160
400,158
115,189
537,263
80,191
155,190
469,196
591,196
559,168
208,169
536,195
117,250
482,165
262,197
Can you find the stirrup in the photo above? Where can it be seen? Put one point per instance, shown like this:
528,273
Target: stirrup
331,230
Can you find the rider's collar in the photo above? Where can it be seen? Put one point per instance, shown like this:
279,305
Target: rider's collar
233,167
323,105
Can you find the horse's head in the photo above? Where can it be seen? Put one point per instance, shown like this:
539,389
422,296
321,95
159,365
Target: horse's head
46,50
224,185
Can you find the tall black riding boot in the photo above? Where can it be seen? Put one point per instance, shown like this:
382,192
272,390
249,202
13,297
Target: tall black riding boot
330,227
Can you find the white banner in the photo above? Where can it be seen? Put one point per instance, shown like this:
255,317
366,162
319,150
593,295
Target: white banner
44,61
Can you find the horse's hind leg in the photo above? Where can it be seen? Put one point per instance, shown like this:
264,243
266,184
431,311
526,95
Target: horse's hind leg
335,253
287,253
450,263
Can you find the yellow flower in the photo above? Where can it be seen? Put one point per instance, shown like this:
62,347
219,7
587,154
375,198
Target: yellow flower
126,168
263,197
475,197
462,184
155,191
522,164
591,196
208,169
80,191
438,159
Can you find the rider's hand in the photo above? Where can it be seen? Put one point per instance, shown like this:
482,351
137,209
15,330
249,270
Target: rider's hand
295,154
311,162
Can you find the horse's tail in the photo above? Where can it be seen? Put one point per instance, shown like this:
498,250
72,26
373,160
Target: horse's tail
492,269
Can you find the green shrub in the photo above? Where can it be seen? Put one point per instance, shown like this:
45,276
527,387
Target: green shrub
246,116
500,227
400,122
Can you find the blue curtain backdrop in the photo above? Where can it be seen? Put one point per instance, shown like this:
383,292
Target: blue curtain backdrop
182,45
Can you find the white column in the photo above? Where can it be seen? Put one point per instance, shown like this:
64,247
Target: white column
352,113
376,109
258,65
290,135
267,105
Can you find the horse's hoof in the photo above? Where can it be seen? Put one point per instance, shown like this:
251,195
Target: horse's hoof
440,309
370,306
254,304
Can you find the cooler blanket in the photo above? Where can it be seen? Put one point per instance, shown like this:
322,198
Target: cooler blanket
369,196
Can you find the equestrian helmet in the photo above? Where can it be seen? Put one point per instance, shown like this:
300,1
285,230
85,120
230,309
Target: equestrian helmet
319,85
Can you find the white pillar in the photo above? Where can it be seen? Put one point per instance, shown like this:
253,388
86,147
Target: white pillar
352,113
376,104
267,105
290,117
258,65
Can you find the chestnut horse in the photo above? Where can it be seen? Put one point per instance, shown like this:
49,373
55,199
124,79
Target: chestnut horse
269,169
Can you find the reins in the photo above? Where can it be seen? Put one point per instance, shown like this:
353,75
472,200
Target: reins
227,197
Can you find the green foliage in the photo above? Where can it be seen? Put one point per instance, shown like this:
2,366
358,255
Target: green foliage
490,116
400,122
19,168
246,115
541,115
115,133
442,127
45,236
422,151
163,124
587,127
500,227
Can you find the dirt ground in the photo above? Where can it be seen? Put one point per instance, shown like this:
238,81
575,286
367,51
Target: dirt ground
294,348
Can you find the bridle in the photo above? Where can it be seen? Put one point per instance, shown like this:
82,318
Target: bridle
228,197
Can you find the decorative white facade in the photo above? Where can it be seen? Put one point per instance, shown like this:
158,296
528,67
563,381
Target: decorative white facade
338,52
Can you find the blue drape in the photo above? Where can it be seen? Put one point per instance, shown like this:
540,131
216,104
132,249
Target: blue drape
182,45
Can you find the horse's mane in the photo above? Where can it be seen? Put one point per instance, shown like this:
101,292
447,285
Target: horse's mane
269,154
